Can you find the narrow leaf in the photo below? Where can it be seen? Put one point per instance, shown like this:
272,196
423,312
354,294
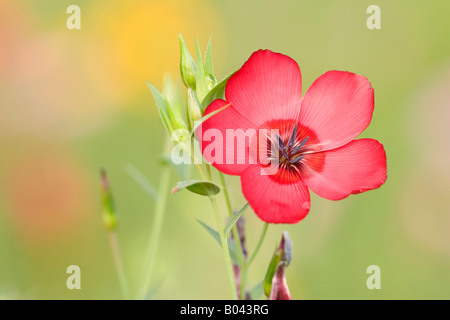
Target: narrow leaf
267,283
203,188
201,84
142,181
163,108
208,59
257,292
231,245
280,259
235,218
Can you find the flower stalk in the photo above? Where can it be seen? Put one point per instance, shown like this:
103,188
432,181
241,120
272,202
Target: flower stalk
109,215
157,223
246,264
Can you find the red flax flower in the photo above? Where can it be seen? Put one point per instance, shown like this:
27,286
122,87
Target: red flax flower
315,139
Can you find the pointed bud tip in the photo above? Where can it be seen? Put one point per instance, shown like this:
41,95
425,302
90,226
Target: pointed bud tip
104,178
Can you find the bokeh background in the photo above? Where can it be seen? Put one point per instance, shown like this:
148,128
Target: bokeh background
73,101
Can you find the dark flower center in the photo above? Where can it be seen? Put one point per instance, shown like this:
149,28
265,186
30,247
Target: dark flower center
287,150
291,153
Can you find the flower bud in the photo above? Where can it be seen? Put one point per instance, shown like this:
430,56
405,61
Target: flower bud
193,109
169,114
187,65
275,286
108,207
172,93
280,290
210,81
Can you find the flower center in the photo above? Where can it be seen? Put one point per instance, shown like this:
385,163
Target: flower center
286,150
289,152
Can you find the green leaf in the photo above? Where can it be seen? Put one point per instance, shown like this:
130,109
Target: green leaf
208,59
231,245
163,108
282,255
201,84
235,218
142,181
267,283
203,188
217,92
257,292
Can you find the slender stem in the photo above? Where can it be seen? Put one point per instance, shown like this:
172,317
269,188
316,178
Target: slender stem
208,171
160,205
230,214
226,251
114,242
246,265
202,173
226,194
260,241
223,239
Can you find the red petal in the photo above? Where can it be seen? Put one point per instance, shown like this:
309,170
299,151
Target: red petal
267,87
337,107
273,201
216,128
354,168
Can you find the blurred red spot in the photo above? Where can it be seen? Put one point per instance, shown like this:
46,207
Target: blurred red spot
46,195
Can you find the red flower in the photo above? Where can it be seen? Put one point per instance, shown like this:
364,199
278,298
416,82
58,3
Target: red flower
316,142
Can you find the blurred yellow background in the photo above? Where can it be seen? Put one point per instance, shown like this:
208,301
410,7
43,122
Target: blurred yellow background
73,101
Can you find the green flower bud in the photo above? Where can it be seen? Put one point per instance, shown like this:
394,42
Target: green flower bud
210,81
187,65
172,93
108,207
193,109
169,114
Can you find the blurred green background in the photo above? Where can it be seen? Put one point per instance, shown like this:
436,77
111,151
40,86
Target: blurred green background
72,101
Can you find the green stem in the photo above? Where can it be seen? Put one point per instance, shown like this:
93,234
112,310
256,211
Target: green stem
246,265
223,239
160,205
237,238
114,242
230,214
226,251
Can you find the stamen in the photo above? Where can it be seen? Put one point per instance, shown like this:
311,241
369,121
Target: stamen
296,159
282,147
300,145
292,137
280,142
